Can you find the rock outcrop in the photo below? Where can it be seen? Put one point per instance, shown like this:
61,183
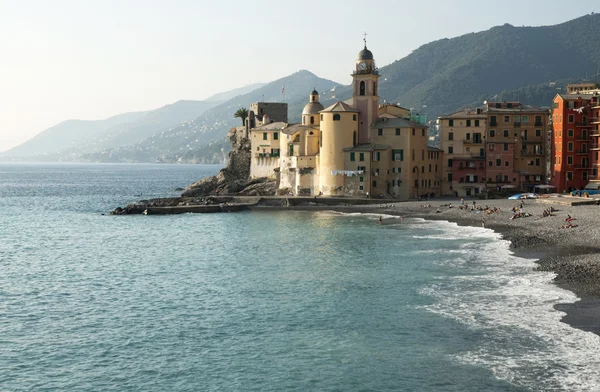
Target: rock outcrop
234,179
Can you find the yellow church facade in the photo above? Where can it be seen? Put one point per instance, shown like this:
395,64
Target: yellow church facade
355,148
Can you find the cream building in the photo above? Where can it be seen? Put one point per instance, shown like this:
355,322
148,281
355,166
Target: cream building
357,147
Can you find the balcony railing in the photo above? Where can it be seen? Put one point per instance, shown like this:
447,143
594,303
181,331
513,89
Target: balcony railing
582,167
493,123
594,147
538,124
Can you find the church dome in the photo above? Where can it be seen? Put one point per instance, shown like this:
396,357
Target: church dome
312,108
365,54
314,92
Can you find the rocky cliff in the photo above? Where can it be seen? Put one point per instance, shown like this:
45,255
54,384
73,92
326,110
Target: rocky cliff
234,179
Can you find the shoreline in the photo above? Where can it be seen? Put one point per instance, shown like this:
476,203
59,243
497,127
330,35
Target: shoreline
573,255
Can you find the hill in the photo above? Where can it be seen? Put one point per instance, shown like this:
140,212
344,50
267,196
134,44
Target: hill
448,74
201,139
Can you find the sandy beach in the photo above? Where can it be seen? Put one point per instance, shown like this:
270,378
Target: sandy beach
572,253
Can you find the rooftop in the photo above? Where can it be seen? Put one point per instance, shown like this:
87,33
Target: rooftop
340,107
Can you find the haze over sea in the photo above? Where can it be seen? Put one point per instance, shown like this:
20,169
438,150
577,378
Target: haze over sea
263,301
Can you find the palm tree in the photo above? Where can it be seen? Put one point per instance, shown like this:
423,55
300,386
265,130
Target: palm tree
241,113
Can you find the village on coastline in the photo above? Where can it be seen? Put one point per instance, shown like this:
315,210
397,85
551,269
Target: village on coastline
365,148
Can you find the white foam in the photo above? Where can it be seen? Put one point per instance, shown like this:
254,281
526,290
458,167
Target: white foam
502,296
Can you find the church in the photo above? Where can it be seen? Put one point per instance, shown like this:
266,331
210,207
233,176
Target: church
356,148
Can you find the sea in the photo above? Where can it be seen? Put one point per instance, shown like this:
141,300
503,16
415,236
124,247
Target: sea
263,300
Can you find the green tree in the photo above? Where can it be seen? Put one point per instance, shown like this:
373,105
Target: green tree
241,113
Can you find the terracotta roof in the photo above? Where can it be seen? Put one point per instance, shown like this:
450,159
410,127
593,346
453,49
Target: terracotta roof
274,126
293,128
384,122
340,107
368,147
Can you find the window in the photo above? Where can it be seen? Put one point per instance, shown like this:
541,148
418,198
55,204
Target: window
352,157
451,136
524,119
413,130
321,117
492,120
336,117
492,133
361,156
537,161
569,176
468,136
312,119
569,160
538,120
570,146
430,168
264,136
476,123
451,150
509,105
538,132
506,119
490,163
506,133
571,118
505,146
361,188
422,132
275,135
422,155
570,133
449,162
412,154
422,169
498,162
449,177
397,155
451,123
354,117
468,123
397,131
376,156
361,179
374,184
506,163
584,176
380,132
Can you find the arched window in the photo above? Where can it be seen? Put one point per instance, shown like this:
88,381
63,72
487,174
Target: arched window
336,117
375,88
362,88
303,120
354,139
312,119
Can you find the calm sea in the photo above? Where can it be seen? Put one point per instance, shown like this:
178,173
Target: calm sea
262,301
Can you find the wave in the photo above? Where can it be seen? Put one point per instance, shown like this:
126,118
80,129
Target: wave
512,305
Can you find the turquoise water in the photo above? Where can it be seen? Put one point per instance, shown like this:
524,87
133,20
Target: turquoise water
262,301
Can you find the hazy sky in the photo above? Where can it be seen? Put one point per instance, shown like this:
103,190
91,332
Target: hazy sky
89,60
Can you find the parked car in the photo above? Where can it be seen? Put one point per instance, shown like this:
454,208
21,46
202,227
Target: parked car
520,196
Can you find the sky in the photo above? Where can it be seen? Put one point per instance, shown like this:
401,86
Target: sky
83,59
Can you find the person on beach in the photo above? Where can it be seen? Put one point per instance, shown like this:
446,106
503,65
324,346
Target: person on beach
462,201
482,222
380,220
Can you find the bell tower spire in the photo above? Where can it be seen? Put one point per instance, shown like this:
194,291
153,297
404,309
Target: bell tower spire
365,96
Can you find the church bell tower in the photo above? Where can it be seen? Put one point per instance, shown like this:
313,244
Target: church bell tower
365,96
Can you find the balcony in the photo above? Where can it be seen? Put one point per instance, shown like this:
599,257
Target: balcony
594,147
582,152
529,152
594,120
582,167
538,124
473,141
582,124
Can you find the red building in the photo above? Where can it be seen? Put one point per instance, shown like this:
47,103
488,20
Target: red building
575,134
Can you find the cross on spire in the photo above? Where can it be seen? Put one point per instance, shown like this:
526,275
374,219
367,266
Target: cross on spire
365,38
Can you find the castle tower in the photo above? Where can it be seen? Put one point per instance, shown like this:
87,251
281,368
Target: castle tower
310,113
365,97
338,131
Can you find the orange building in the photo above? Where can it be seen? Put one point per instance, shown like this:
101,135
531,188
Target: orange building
575,134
